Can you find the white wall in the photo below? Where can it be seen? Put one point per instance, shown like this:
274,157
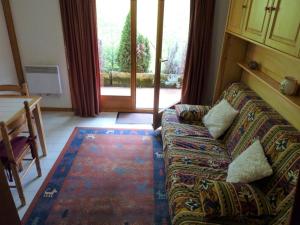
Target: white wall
7,67
221,10
40,37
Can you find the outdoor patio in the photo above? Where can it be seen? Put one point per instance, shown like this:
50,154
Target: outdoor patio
145,96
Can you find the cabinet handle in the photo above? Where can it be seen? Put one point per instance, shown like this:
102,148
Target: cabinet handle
273,8
244,6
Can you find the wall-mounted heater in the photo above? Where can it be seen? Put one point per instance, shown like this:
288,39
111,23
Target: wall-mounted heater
43,80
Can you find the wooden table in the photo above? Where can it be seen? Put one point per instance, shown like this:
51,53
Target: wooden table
12,107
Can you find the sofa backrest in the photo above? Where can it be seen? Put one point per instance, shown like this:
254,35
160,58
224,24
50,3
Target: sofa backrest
281,142
255,119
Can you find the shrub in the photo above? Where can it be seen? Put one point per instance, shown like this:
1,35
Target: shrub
124,52
143,80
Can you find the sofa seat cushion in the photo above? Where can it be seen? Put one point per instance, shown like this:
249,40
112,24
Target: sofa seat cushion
190,158
187,165
189,175
214,201
172,129
199,149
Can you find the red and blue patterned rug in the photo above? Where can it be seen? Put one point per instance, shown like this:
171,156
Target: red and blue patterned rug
104,177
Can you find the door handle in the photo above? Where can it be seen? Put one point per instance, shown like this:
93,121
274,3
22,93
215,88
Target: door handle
163,60
267,8
273,8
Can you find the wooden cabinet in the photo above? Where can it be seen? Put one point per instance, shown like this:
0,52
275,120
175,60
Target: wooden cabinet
237,15
284,29
274,23
257,19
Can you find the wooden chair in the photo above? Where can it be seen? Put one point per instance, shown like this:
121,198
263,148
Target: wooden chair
15,147
13,90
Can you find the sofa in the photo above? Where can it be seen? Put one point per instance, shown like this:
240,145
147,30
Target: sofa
196,165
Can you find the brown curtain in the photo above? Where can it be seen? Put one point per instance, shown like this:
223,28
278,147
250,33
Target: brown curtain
80,33
198,50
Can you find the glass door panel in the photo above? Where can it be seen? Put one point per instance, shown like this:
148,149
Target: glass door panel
146,49
171,44
114,43
116,23
174,45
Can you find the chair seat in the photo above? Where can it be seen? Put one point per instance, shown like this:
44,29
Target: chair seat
19,145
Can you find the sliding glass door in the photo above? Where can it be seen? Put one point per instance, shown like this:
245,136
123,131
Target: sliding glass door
172,39
174,45
132,47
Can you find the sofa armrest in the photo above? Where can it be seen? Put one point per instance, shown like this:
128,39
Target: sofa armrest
190,113
220,198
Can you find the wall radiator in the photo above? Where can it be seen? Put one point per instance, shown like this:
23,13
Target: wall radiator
43,80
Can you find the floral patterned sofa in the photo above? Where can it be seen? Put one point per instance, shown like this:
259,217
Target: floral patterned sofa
196,166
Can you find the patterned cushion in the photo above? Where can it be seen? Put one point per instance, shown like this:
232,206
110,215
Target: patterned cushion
189,113
186,165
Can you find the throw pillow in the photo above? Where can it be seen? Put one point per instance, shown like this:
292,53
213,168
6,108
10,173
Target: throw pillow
249,166
219,118
191,113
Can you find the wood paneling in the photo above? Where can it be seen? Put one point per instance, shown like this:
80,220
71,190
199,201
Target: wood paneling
277,66
116,103
234,50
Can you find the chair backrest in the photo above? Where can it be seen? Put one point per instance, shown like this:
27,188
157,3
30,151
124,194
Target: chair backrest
13,129
12,90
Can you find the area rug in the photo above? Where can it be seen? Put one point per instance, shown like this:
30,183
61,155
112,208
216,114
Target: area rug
104,177
134,118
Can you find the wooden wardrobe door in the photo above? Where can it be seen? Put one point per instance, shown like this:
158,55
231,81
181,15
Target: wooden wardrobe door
257,19
237,14
284,29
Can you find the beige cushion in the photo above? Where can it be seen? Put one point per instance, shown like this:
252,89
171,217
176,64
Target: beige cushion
219,118
249,166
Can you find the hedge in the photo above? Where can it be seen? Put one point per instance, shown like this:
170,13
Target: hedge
143,80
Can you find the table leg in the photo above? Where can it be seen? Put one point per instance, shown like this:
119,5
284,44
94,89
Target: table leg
40,128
